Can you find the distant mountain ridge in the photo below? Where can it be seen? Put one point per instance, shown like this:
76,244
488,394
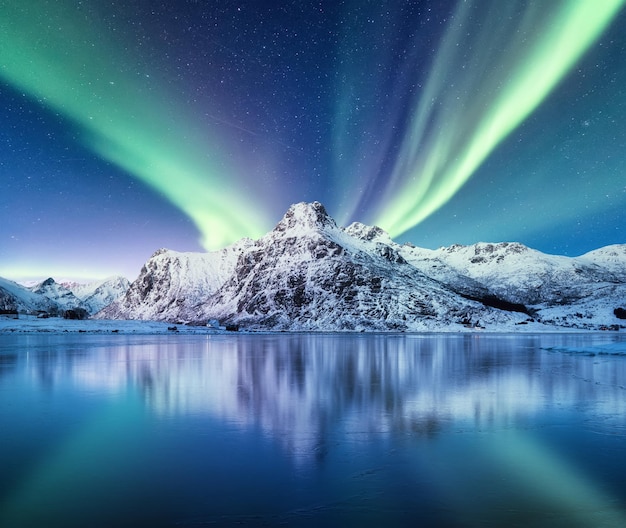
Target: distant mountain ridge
56,298
308,274
95,296
18,298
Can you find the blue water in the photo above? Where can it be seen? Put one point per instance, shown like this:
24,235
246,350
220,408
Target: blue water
312,430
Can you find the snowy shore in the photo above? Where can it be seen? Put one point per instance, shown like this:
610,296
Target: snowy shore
32,324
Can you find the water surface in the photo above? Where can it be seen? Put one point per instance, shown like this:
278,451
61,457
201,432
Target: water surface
312,430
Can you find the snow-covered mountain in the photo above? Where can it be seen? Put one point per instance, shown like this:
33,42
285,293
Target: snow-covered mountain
15,297
94,296
172,282
516,273
611,258
57,293
310,274
55,298
578,292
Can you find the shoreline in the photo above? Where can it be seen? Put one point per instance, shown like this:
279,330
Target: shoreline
34,325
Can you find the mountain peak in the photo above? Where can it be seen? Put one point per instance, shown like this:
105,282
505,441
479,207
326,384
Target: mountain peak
368,233
160,251
46,285
305,216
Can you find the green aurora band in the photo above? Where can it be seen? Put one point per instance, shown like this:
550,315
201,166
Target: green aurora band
72,65
487,77
482,85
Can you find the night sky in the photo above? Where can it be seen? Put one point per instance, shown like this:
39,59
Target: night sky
132,125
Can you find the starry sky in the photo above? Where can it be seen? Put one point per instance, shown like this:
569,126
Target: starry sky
132,125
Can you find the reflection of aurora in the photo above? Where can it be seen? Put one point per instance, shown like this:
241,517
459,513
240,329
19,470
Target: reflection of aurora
311,393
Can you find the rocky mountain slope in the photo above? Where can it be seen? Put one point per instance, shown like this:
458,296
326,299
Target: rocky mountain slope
306,274
171,282
309,274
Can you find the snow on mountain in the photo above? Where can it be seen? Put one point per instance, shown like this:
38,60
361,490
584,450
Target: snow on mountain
171,281
611,258
14,296
309,274
95,296
58,294
306,274
55,298
566,291
516,273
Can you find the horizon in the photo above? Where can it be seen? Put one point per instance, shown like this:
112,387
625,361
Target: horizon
193,125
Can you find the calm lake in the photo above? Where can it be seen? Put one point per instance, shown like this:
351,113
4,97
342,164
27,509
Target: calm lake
313,430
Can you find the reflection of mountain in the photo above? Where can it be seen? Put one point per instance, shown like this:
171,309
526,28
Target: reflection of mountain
301,388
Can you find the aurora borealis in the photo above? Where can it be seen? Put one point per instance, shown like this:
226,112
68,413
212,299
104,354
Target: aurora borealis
129,126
